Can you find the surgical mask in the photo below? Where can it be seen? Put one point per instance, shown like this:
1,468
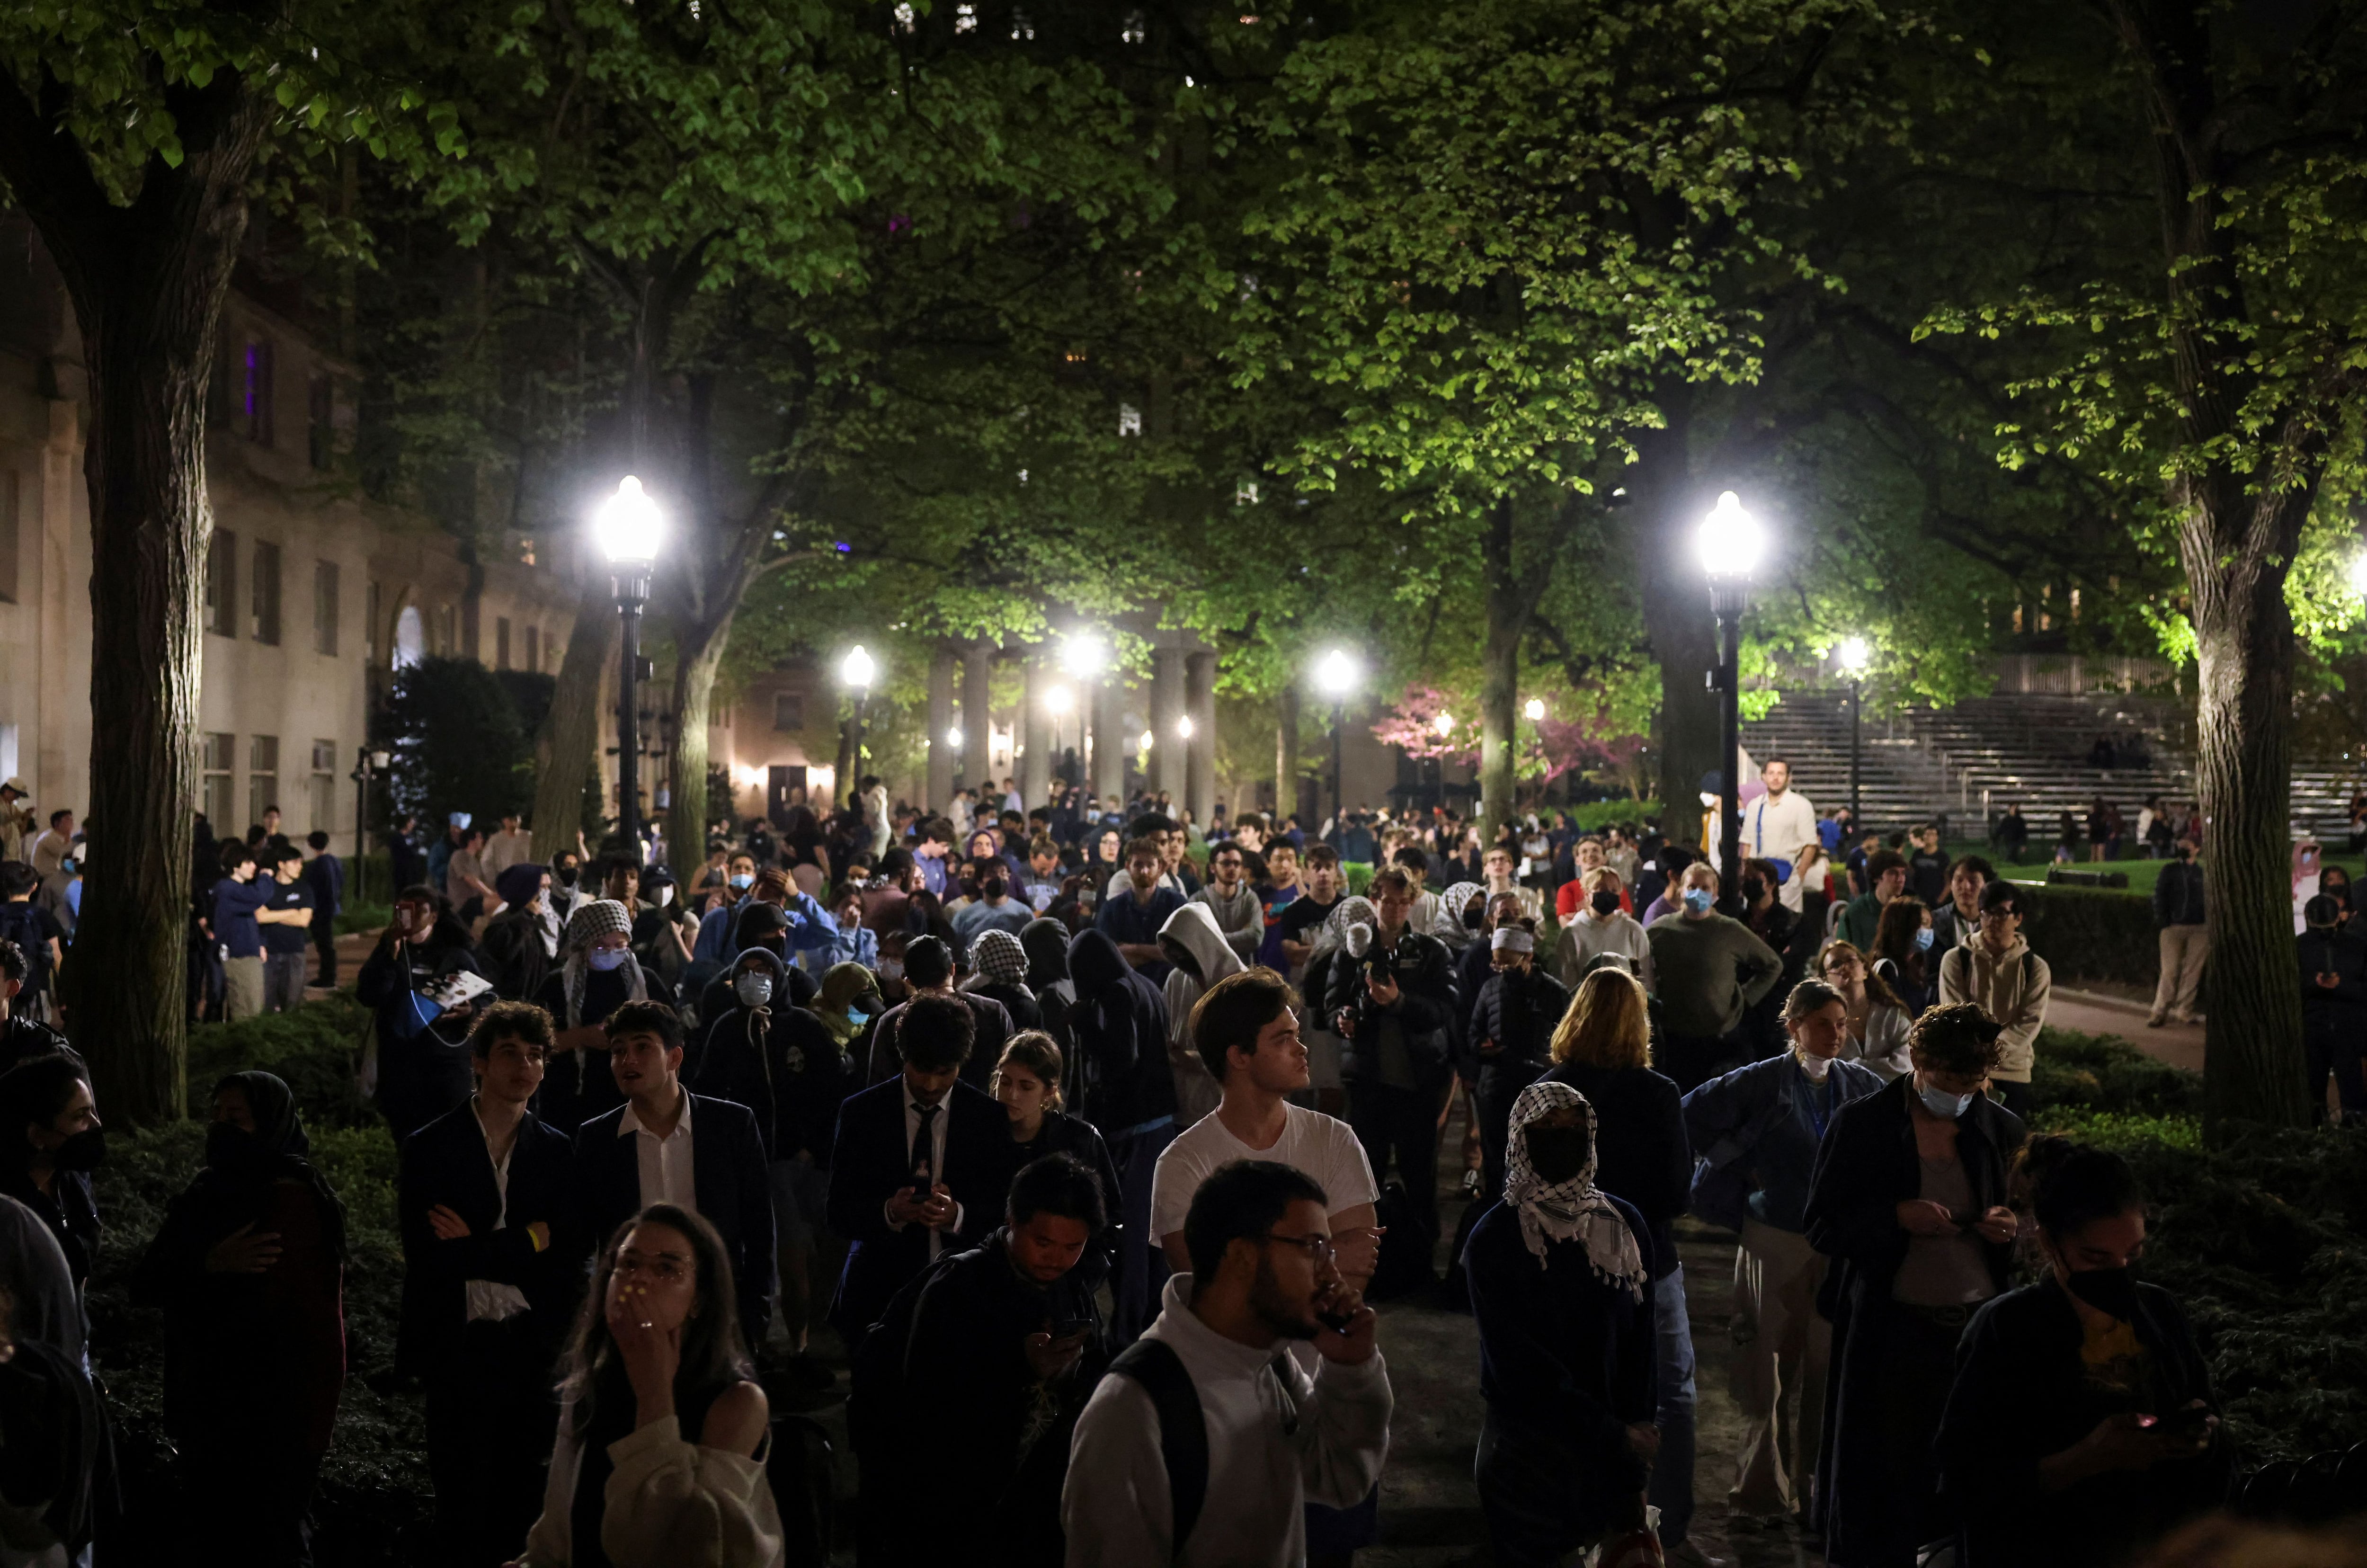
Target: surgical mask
85,1151
2112,1290
1818,1068
1605,902
741,883
606,959
1923,940
1941,1103
891,968
858,1019
755,990
661,895
1697,900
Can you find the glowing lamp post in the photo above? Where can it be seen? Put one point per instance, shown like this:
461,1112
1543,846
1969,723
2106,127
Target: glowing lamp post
1335,677
858,671
1729,540
1855,655
626,527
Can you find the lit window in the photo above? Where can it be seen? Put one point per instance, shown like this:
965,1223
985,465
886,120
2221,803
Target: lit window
965,18
1129,419
1245,494
1132,32
905,20
1022,30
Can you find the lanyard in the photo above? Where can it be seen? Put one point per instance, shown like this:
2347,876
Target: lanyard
1819,1115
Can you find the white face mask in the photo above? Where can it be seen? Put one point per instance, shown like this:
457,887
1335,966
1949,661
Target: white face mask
753,989
1816,1067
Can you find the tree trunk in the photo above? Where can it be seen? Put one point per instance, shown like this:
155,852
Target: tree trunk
697,658
2252,1066
1677,615
1500,677
147,283
570,741
1286,754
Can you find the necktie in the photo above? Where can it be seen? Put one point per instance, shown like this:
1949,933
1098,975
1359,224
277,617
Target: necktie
924,1154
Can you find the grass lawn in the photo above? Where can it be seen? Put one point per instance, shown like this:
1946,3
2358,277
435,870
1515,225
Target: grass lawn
2141,873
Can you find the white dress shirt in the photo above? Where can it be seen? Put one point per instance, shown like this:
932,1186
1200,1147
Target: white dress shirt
667,1176
490,1301
937,1160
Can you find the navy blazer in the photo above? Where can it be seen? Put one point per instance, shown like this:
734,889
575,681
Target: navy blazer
445,1162
728,1176
870,1160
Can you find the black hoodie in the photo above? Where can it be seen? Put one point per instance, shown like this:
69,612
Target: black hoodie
779,1061
1119,1029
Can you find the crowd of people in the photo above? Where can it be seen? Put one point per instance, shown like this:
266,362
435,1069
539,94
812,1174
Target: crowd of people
1087,1136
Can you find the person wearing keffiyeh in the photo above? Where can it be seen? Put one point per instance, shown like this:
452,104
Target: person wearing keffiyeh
596,975
1560,1273
998,971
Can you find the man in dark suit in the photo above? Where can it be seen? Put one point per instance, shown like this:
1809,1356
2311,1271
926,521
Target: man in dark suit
493,1264
920,1167
929,971
665,1144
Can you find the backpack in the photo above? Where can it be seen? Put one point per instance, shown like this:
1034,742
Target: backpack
1183,1434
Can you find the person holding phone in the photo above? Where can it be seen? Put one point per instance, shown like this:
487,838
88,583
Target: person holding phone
422,1047
1002,1345
2081,1427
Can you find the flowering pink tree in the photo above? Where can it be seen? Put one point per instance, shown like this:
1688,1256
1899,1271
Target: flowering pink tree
1428,724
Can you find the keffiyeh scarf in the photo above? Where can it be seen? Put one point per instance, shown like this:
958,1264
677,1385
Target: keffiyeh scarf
1573,1209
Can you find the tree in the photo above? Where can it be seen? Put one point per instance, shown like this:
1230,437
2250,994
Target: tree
131,135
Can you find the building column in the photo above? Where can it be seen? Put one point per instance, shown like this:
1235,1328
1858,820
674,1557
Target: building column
1200,759
1035,732
977,716
939,791
1110,743
1286,755
1167,747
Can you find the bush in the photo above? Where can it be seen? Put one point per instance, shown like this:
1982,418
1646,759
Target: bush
2092,933
314,1047
460,739
1595,815
2096,1074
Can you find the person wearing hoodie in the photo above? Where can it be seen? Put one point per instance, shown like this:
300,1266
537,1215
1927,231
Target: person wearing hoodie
1239,915
998,972
1046,943
1117,1030
2333,1007
786,1066
1202,957
1461,919
515,957
1997,969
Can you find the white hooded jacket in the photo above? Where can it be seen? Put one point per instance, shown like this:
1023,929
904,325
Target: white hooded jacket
1193,942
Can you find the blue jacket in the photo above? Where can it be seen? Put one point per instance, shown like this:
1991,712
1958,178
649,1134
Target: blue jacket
810,926
235,926
325,875
1755,1136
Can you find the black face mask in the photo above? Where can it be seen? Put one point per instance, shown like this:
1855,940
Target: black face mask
86,1151
993,888
1473,916
1605,902
230,1147
2112,1290
1556,1154
1753,887
565,876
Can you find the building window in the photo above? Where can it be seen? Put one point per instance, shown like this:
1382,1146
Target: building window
222,584
266,608
369,630
788,711
262,777
255,391
533,650
324,609
220,788
323,787
501,641
7,536
320,421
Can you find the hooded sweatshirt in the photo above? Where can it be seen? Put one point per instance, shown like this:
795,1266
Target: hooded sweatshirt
777,1059
1202,956
1119,1029
1240,919
2012,988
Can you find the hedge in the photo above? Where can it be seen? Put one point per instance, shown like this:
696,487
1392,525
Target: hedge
2092,933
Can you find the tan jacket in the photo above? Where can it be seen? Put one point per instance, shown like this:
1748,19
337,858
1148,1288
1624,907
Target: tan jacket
2012,988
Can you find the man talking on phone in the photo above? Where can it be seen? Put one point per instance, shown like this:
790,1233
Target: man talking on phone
1001,1344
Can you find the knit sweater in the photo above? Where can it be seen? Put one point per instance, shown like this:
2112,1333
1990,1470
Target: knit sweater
1708,971
2012,988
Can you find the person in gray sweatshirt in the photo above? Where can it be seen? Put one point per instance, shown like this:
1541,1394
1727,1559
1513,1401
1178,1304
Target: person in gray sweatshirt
1241,918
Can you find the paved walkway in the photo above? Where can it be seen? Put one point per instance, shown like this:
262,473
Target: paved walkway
2092,1012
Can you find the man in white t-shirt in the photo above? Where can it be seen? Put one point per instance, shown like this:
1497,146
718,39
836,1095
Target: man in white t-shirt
1777,825
1245,1030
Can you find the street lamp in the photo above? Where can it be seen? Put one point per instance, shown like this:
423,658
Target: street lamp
856,670
627,527
1534,709
1729,541
1335,677
954,738
1183,727
1444,725
368,764
1855,655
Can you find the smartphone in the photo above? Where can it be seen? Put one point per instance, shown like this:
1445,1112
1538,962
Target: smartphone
1070,1328
2186,1423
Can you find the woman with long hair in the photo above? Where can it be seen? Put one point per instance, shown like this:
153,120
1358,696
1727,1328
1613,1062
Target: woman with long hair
1603,1047
1878,1024
662,1423
1902,954
1027,1083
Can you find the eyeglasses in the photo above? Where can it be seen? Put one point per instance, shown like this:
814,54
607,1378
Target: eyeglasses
1319,1249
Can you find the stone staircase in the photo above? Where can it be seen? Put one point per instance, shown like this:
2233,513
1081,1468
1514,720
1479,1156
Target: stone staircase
1972,760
